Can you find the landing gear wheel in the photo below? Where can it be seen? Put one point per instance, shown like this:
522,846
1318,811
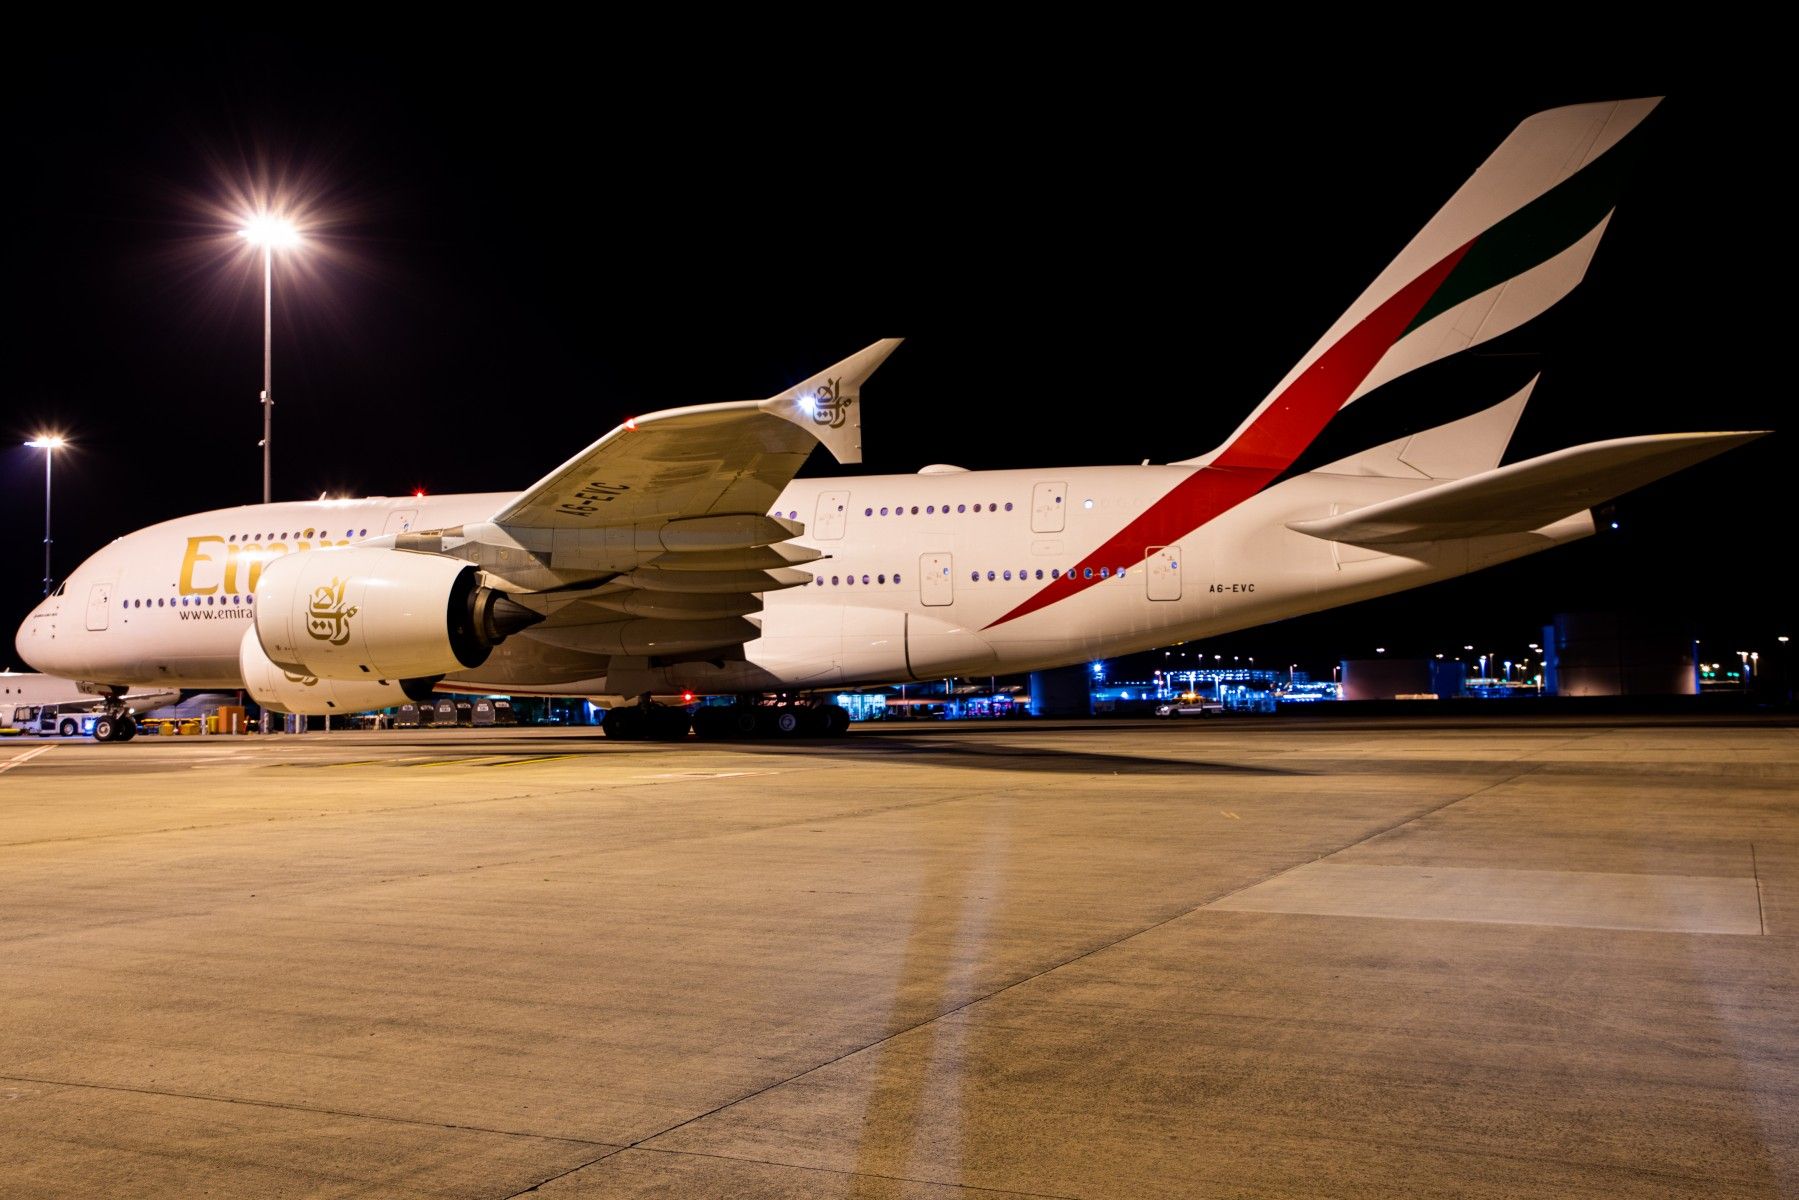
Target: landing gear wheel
837,720
711,723
818,722
745,721
669,724
111,728
624,724
68,727
786,722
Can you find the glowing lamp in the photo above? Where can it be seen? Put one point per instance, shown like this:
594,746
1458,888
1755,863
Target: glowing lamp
265,230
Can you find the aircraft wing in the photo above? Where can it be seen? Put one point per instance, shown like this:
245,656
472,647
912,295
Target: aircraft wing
1526,495
661,536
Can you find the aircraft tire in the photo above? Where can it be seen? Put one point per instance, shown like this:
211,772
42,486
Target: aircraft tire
623,724
786,722
669,724
127,729
837,720
746,721
711,723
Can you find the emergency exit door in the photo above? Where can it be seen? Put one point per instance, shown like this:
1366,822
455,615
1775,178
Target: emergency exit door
401,521
936,579
833,513
1164,572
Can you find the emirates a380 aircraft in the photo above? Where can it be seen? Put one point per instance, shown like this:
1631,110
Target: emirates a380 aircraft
680,553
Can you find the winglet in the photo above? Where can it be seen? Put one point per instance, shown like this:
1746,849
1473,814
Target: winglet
829,405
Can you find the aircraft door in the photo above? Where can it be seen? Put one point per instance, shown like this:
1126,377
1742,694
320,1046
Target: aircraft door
400,520
936,579
1049,507
1164,572
99,606
833,514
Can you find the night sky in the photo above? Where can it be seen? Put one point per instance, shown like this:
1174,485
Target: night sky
511,253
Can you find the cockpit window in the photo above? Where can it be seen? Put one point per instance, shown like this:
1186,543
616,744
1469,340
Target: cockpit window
61,588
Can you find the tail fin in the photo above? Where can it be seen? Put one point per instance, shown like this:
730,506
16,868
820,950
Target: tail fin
1511,242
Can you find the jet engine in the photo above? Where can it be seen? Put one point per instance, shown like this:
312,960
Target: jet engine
309,695
364,613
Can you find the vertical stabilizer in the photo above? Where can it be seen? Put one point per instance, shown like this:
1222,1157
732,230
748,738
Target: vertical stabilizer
1510,243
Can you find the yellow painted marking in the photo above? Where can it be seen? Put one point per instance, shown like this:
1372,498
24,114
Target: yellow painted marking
513,762
1233,816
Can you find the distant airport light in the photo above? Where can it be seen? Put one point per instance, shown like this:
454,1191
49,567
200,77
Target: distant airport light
264,230
1614,524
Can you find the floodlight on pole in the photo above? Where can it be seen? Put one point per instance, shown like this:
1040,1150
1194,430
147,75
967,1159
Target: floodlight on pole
272,234
49,443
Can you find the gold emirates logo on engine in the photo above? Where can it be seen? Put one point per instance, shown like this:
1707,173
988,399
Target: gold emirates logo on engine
327,618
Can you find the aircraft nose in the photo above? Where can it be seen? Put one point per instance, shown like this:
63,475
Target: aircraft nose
35,640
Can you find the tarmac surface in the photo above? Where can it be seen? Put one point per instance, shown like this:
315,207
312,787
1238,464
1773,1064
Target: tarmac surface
1279,957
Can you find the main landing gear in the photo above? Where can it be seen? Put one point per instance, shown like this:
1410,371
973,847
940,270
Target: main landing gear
648,721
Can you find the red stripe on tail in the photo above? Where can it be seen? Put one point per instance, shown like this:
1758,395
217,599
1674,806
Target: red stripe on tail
1271,443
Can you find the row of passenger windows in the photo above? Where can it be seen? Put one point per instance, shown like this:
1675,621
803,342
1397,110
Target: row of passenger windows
1054,573
183,601
850,580
282,537
900,510
990,576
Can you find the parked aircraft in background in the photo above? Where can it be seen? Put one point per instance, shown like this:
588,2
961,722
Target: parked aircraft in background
681,553
23,696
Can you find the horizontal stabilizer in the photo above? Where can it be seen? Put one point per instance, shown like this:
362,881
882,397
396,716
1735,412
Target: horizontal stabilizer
1453,451
1526,495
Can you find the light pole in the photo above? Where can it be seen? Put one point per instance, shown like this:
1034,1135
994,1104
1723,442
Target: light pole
270,233
49,444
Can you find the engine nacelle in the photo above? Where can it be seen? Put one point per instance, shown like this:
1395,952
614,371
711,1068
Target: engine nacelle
309,695
363,613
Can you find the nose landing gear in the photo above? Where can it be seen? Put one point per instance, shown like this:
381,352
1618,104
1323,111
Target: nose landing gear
115,727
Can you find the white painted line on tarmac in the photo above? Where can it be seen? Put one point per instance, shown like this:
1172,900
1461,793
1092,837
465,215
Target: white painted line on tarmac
19,760
704,774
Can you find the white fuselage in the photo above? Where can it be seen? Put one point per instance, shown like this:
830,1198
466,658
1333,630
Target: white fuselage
921,574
